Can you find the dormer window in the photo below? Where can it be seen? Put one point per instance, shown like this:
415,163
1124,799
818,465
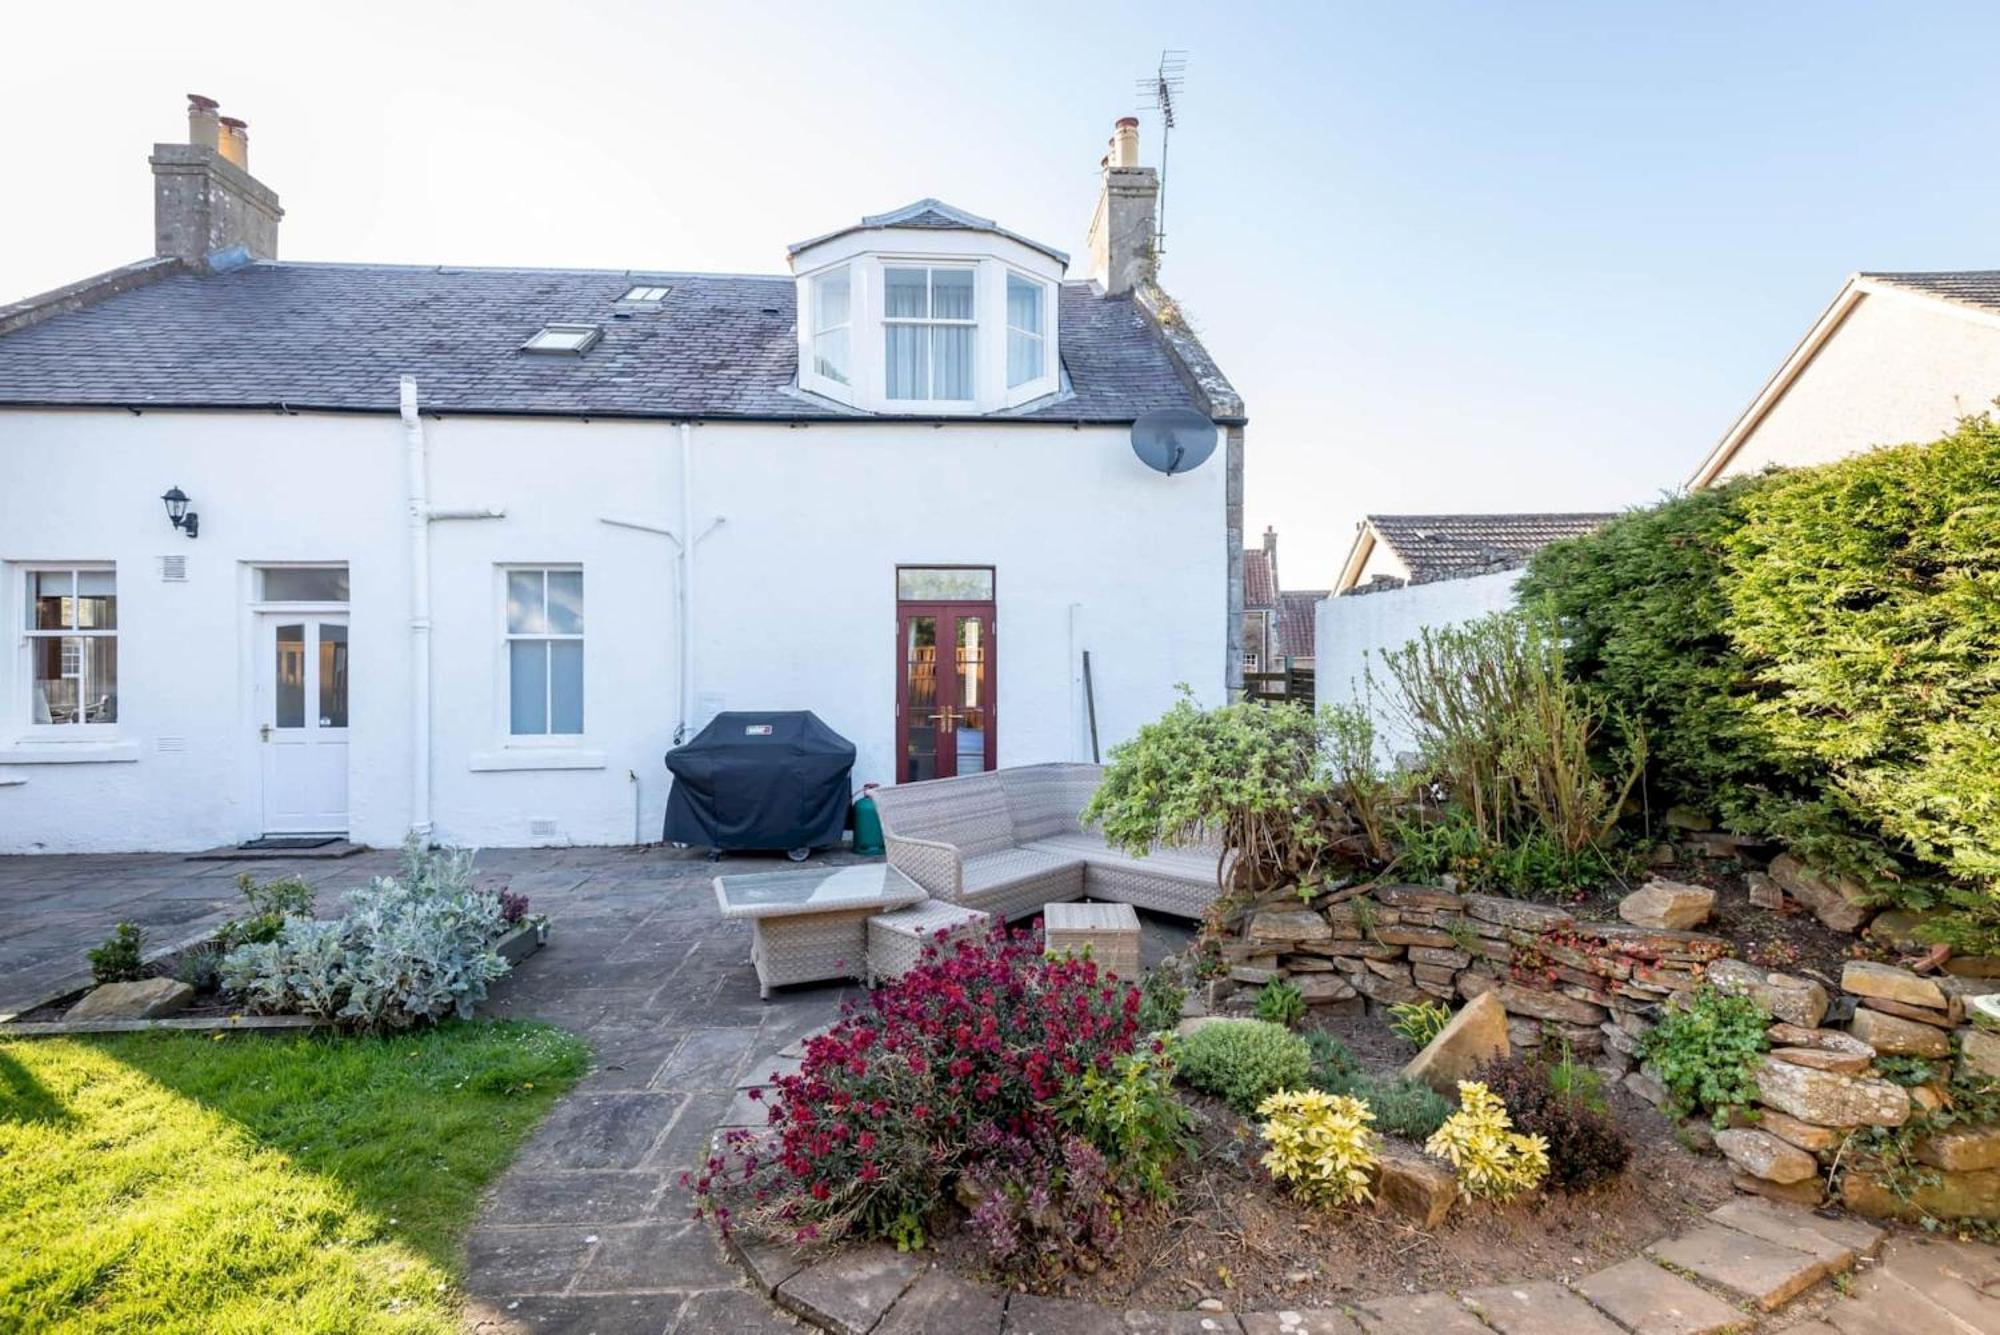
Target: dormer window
1025,350
832,314
928,311
929,333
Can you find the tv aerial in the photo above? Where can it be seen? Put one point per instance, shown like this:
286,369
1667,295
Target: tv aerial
1173,440
1160,93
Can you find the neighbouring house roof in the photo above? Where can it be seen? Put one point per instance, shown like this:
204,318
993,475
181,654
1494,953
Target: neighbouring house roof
1297,611
1435,547
338,336
1260,588
931,213
1973,294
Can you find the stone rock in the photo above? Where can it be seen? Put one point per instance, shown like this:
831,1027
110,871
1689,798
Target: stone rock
1517,914
1973,966
1523,1032
1403,935
1869,979
1828,1098
1718,845
1944,1019
1841,902
1896,930
147,999
1396,969
1644,1086
1673,905
1967,1150
1641,1296
1765,893
1386,991
1979,1053
1682,817
1364,950
1805,1135
1798,1001
1250,976
1891,1035
1832,1040
1422,897
1542,1005
1442,958
1824,1059
1321,988
1952,1196
1287,926
1763,1155
1478,1033
1305,964
1808,1193
1421,1190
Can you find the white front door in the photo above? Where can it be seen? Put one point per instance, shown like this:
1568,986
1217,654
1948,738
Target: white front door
302,724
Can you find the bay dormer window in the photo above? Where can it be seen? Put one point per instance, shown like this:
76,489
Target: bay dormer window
928,312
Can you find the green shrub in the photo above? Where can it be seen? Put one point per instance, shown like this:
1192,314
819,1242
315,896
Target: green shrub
1160,999
1410,1109
1281,1002
1866,595
118,959
268,906
1513,744
1247,774
1132,1116
1244,1061
1530,863
1320,1145
1707,1053
200,967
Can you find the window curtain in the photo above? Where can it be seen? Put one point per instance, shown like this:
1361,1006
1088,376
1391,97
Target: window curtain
906,347
951,346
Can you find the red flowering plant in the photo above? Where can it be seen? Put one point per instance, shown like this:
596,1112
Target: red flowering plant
965,1063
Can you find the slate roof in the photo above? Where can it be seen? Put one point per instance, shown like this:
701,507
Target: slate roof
338,336
1438,547
1967,287
1297,611
1260,590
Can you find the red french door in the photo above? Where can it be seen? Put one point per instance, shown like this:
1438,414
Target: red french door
945,690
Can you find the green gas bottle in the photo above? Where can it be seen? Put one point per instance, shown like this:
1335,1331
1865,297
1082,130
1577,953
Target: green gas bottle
867,824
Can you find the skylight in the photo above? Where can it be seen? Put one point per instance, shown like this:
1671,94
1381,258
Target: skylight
643,293
575,338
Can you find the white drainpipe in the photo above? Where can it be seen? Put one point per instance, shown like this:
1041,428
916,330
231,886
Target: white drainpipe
420,611
684,584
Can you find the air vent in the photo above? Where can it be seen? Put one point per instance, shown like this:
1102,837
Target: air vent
170,746
542,829
173,569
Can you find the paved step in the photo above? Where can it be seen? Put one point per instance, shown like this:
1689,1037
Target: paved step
1767,1273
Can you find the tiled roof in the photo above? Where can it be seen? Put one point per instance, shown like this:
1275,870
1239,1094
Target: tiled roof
1259,589
337,336
1438,547
1297,610
1968,287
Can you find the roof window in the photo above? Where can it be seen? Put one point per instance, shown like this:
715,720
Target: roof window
573,338
643,293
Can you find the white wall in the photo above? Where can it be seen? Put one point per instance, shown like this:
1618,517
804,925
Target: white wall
1899,368
795,600
1353,630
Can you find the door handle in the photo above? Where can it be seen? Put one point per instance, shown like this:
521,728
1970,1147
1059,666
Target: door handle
264,732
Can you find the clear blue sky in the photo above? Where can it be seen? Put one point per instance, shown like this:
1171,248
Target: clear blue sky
1456,256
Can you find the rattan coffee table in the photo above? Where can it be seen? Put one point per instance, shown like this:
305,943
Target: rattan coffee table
811,925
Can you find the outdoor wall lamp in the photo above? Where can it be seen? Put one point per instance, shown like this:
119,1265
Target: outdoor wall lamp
182,518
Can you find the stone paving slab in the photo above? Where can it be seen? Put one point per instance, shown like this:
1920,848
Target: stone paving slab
1423,1314
1835,1241
1767,1273
1649,1300
1541,1308
645,1314
942,1303
1916,1278
1300,1321
851,1290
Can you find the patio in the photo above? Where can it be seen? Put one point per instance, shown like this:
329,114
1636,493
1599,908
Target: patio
589,1229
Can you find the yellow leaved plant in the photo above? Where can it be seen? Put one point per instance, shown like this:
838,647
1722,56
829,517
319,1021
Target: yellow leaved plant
1493,1161
1320,1144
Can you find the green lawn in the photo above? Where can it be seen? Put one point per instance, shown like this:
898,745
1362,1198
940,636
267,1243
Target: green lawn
177,1182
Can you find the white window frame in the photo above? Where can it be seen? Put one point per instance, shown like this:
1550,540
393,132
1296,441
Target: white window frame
931,268
650,293
24,575
846,382
563,339
508,636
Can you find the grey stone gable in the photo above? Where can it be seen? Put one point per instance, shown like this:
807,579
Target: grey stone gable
338,336
1438,547
1967,287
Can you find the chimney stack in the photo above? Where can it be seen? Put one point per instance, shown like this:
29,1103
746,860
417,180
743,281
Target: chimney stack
1122,230
205,201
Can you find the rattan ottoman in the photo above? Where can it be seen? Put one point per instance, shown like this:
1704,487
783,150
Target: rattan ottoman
1110,931
896,940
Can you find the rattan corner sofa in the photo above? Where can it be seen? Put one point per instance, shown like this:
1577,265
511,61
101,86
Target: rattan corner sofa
1009,841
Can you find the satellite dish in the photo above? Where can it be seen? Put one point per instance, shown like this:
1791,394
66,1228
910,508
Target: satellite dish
1173,440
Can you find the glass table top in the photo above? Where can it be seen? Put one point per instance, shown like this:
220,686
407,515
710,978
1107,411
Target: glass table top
814,890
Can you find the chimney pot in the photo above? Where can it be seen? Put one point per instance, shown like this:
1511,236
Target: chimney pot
235,141
1122,231
203,129
1125,142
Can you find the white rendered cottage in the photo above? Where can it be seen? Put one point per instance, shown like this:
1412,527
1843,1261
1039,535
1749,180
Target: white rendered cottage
466,550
